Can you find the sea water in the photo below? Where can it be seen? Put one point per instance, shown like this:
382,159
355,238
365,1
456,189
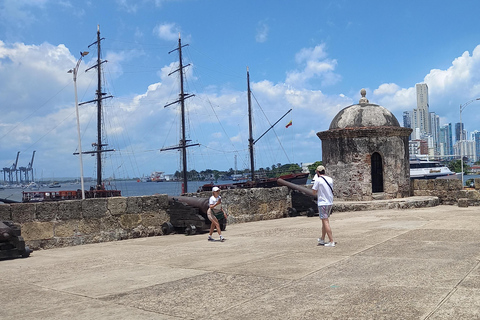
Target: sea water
129,188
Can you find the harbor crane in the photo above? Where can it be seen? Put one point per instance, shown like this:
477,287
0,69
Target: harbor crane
24,171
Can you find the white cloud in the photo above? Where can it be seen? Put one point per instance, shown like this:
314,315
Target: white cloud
386,88
313,64
167,31
262,32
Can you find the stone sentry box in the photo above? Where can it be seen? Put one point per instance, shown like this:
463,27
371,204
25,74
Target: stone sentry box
366,152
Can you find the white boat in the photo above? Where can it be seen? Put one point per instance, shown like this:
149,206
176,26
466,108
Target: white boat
157,176
426,169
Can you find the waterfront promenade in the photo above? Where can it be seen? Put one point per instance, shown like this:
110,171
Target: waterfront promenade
418,263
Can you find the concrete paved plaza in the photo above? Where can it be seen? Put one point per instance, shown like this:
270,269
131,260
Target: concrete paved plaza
388,264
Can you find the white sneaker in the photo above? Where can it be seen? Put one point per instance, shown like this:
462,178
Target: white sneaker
321,242
329,244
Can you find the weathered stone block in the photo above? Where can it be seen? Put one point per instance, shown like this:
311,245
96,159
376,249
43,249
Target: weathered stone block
477,183
5,212
109,223
454,184
46,211
65,229
441,184
154,220
419,184
23,212
94,208
89,226
130,221
154,203
117,205
37,230
422,193
134,205
463,202
473,195
69,209
461,194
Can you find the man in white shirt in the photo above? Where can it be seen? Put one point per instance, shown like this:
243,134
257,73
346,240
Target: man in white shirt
323,189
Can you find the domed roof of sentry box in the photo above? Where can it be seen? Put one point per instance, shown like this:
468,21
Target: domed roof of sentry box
364,114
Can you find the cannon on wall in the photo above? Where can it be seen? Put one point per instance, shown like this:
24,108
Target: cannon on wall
12,244
303,199
189,214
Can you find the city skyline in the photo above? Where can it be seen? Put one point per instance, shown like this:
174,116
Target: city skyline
429,138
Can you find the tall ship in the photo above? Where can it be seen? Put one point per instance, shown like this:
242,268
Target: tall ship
99,190
254,180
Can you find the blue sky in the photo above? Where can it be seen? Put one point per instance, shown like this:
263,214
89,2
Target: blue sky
309,56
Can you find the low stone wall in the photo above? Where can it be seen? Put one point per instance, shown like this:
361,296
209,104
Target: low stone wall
244,205
399,203
449,191
47,225
66,223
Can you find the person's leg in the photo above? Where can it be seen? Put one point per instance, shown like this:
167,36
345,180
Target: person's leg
326,229
323,231
212,222
215,224
322,213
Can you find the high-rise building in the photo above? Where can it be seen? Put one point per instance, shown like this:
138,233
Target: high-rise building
445,141
476,138
407,119
465,148
435,131
459,131
422,113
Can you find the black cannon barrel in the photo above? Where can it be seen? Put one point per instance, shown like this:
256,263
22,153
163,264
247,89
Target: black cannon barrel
5,232
200,203
302,189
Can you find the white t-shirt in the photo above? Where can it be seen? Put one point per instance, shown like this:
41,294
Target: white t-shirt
325,195
214,200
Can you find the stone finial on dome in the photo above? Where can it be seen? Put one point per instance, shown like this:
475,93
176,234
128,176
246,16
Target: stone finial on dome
363,100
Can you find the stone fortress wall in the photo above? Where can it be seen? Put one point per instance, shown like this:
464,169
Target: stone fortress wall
449,191
47,225
74,222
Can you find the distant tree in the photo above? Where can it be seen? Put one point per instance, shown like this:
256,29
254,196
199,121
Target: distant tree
177,174
216,174
313,167
456,166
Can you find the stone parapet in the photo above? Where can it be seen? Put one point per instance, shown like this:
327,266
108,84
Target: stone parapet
401,203
73,222
449,191
65,223
254,204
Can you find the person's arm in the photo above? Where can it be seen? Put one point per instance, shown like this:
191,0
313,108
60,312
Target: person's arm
315,187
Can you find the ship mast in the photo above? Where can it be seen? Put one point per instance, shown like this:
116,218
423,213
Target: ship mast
252,142
250,130
99,98
183,142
